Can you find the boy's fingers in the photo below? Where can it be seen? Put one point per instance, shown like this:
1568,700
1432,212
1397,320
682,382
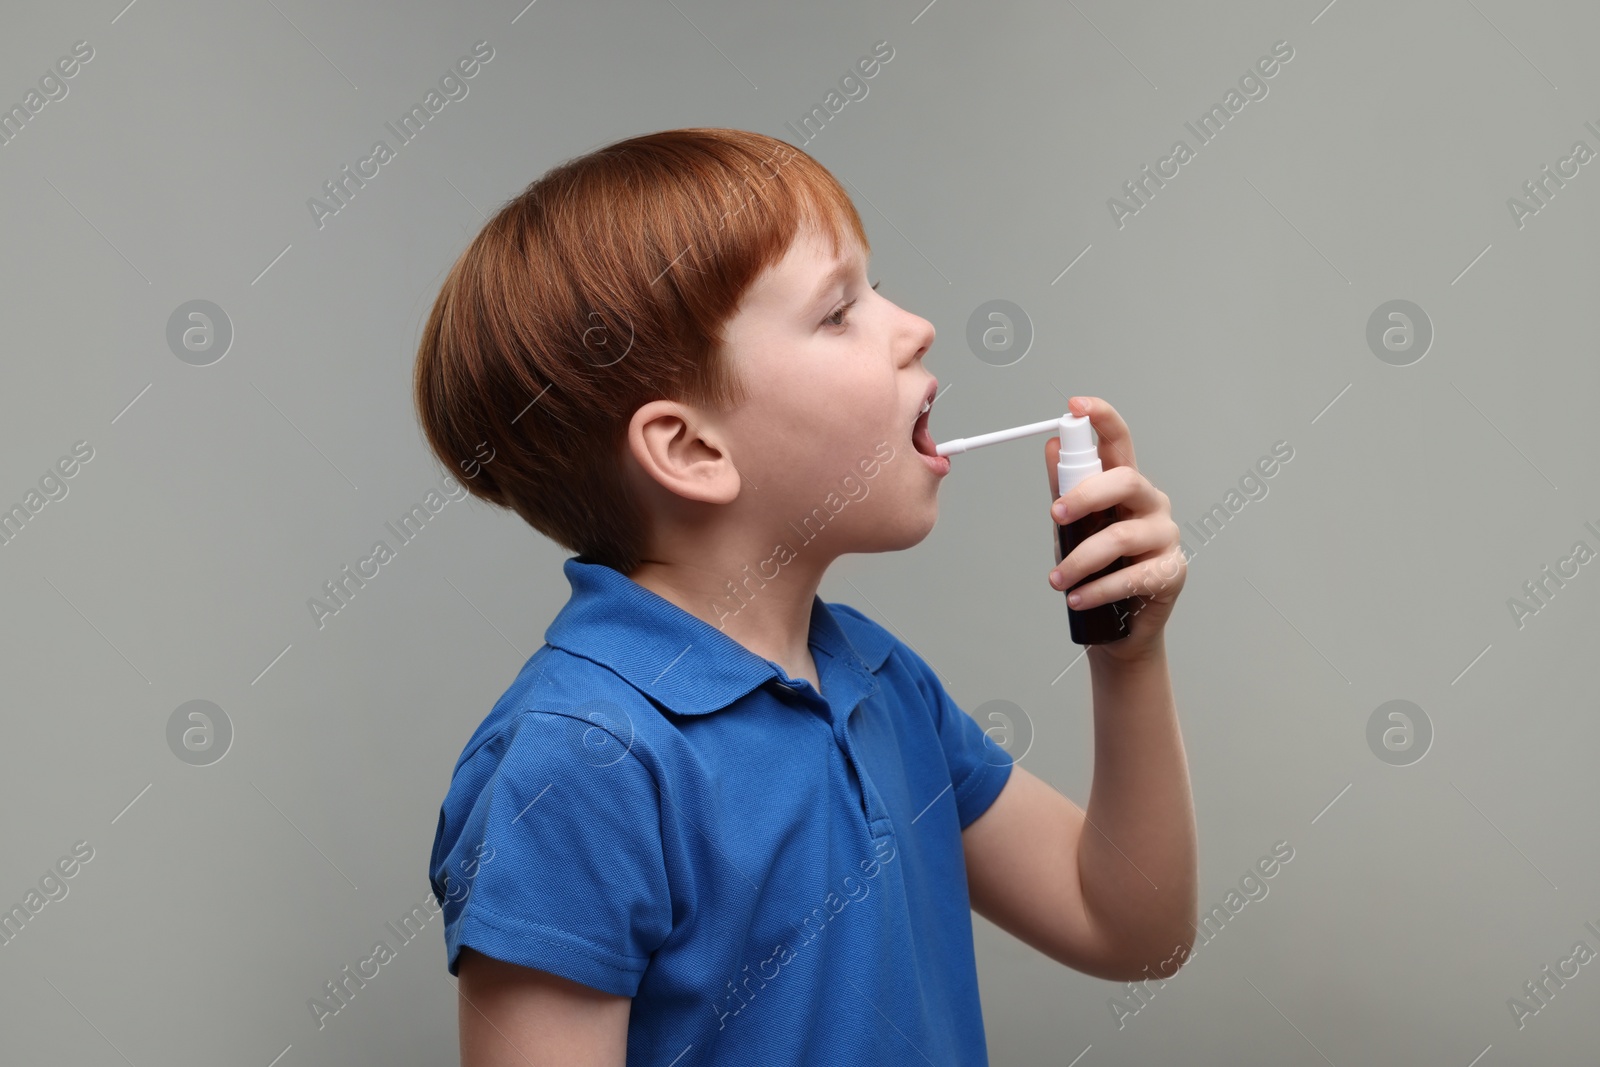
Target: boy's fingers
1124,488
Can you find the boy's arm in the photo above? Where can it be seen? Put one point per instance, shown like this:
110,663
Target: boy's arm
1111,891
513,1016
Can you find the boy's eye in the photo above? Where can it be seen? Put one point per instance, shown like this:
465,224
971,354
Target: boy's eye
840,311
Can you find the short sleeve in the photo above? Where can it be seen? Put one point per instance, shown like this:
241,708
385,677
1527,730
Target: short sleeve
554,858
979,766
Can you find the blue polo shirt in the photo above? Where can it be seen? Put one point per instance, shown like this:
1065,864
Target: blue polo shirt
773,874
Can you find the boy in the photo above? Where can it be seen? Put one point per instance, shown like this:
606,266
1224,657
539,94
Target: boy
716,820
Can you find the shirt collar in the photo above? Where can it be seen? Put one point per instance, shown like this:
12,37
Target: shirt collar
677,659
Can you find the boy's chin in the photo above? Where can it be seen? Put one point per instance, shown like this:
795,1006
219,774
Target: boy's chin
916,527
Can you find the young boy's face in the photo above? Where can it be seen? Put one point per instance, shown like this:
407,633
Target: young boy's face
835,392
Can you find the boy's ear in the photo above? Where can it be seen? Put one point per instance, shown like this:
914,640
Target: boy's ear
680,450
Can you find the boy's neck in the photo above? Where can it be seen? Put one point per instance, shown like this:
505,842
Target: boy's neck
773,620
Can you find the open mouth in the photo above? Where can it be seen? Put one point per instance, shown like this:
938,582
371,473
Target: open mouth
921,439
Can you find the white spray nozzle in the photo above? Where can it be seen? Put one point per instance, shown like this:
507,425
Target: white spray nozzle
1079,458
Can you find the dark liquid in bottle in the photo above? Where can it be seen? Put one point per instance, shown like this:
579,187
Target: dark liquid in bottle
1107,622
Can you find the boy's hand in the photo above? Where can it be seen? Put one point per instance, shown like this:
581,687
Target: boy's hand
1144,533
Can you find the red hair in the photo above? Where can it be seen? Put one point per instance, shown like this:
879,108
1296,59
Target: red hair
603,285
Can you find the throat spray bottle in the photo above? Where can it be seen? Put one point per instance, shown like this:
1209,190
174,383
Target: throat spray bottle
1078,460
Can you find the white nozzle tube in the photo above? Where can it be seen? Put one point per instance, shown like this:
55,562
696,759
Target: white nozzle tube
964,444
1079,458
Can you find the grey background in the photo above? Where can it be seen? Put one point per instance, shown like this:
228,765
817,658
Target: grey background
1229,314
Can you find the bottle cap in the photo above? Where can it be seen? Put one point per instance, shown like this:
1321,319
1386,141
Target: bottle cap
1080,456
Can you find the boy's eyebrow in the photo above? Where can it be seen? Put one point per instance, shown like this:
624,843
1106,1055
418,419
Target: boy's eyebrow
841,270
